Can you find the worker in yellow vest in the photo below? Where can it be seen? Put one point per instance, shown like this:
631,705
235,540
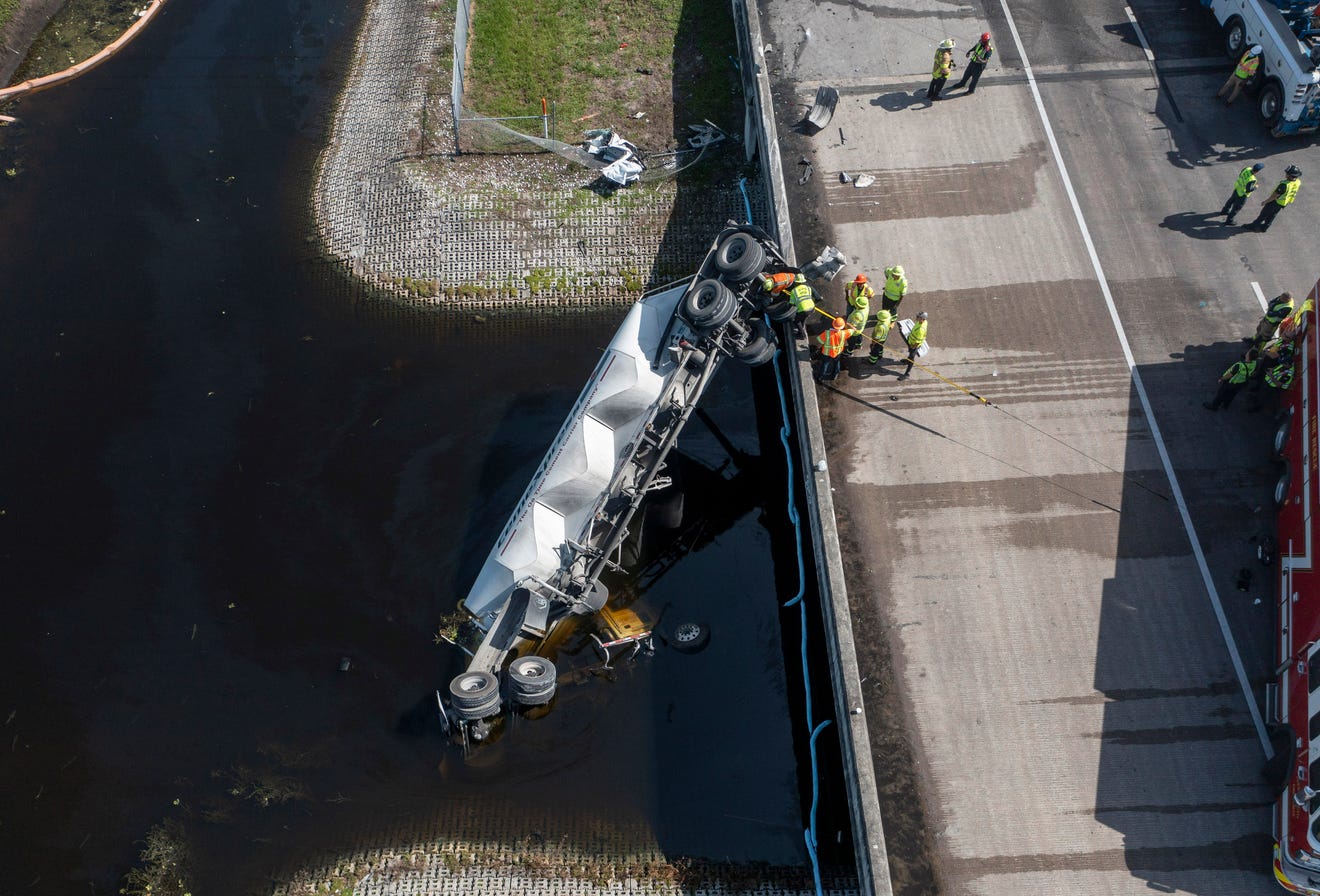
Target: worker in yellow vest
896,286
1245,183
1246,69
803,299
1232,380
883,321
858,294
1283,195
916,338
832,343
978,55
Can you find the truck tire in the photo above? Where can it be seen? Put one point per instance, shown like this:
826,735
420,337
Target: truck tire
709,304
1281,488
1235,38
1270,103
739,258
1281,436
754,352
780,311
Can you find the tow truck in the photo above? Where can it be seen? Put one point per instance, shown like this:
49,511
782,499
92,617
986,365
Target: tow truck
1289,33
544,570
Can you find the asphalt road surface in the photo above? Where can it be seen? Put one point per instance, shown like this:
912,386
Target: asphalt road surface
1066,682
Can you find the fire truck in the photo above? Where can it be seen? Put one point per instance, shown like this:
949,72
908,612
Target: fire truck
1294,699
1289,33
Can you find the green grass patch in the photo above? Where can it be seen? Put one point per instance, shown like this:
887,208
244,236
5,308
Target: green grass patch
7,10
81,29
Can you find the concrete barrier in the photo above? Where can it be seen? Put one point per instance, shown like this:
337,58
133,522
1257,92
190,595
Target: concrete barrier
859,767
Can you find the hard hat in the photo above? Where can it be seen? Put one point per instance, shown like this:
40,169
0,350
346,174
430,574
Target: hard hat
799,277
860,278
985,38
946,44
921,315
839,323
1256,50
1292,171
896,270
1257,167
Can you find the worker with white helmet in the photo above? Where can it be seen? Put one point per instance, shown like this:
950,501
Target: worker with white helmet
1246,69
944,66
978,56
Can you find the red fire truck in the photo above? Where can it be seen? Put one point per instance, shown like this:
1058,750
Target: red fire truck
1294,700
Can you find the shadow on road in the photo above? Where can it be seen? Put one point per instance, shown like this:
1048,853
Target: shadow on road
1201,225
897,102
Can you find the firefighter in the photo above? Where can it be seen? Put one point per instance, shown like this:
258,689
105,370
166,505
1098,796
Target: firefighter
1246,69
944,66
1246,183
832,343
1278,377
858,294
883,321
896,286
1233,379
1275,313
1283,195
916,338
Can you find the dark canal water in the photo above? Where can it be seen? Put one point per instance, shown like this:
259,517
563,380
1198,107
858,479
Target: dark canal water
223,468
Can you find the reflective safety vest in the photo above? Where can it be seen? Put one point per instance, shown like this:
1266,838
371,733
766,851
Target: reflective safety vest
980,54
917,334
1287,191
1280,376
803,297
1273,349
777,283
1247,66
857,319
883,321
943,64
896,285
1278,310
1240,372
832,341
1246,181
858,293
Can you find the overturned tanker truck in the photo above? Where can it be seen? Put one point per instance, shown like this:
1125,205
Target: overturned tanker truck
571,522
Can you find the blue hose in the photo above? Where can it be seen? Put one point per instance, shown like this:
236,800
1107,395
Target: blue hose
747,203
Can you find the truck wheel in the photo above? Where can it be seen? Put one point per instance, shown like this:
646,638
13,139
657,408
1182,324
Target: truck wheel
1271,103
739,257
709,304
780,311
1281,436
1281,488
1235,38
754,352
690,637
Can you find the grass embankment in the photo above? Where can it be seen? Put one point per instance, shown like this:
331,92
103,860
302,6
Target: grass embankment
81,29
7,10
606,59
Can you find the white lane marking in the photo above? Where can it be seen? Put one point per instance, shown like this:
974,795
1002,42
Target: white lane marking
1140,387
1260,296
1141,35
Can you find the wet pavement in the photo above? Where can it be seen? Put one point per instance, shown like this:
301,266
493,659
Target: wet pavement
226,469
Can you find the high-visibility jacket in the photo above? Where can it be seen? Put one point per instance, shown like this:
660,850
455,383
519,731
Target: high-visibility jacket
883,321
857,317
1280,376
1273,350
1292,326
803,297
943,64
832,341
917,334
777,283
858,293
1246,181
981,53
1279,309
896,285
1287,190
1247,66
1239,372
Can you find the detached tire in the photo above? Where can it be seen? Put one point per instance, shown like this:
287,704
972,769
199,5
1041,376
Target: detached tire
690,637
1235,38
1270,103
739,257
709,305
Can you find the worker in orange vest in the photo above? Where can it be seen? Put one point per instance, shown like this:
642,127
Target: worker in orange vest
1246,69
832,343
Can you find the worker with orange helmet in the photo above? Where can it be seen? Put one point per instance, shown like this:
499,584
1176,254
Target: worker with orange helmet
858,293
978,56
832,343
